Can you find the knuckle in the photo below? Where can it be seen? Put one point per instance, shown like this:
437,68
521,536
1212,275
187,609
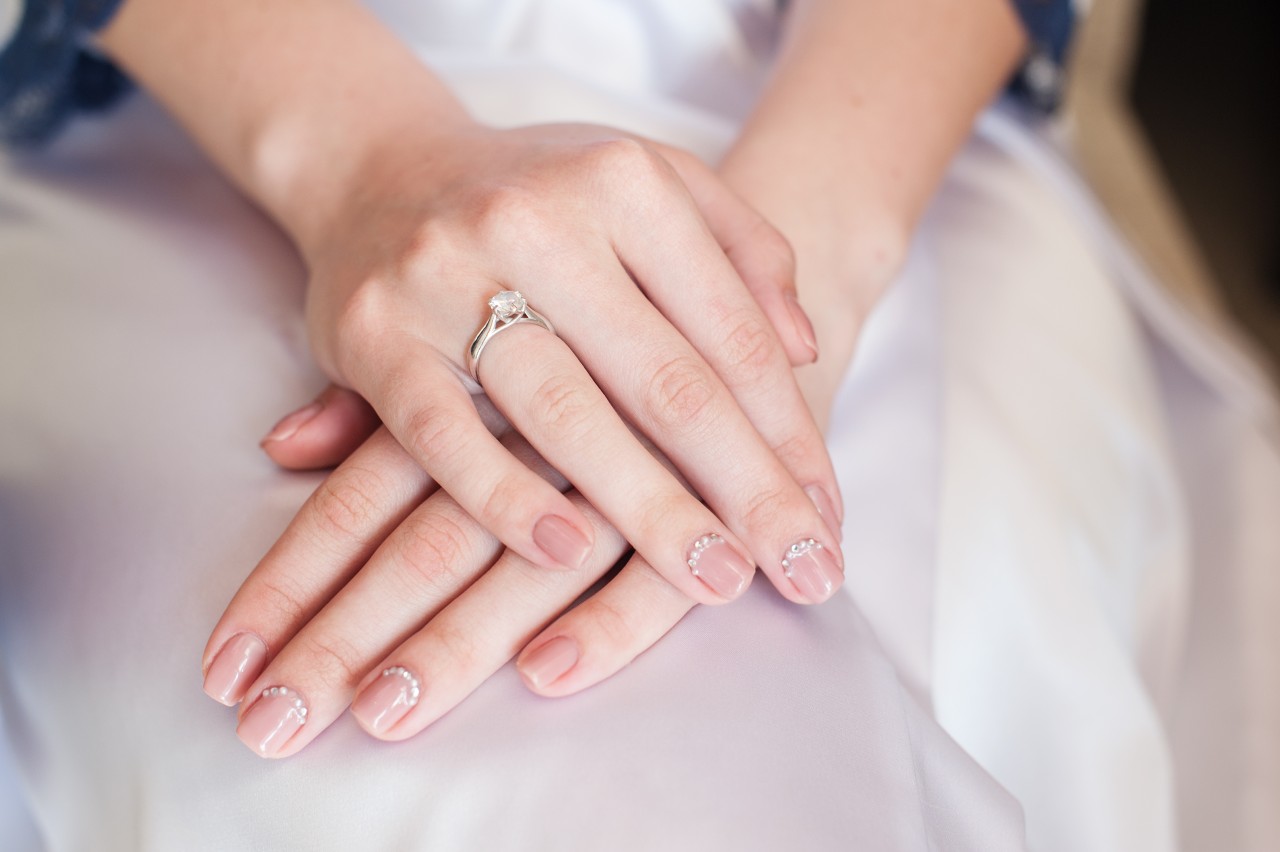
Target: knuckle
460,644
362,316
426,252
348,503
627,159
510,212
433,548
681,392
433,433
750,349
507,498
560,406
333,658
283,599
796,451
614,627
762,509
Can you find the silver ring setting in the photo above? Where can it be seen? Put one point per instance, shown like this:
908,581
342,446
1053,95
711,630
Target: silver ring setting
508,308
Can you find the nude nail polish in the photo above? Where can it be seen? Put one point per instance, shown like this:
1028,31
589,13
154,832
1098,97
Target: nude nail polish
387,700
237,663
812,570
288,427
548,663
803,326
562,541
720,568
272,721
827,509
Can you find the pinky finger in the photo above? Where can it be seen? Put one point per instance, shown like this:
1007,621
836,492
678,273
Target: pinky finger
603,634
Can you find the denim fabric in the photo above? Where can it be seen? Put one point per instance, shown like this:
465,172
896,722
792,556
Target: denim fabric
46,74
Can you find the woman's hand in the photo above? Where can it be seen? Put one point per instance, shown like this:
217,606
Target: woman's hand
415,627
411,216
654,325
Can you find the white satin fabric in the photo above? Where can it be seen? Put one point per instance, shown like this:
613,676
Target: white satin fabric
1062,560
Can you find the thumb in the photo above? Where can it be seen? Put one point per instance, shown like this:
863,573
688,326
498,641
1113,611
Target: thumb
322,433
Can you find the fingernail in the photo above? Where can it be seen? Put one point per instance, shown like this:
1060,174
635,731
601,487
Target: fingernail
387,700
234,668
273,719
548,663
720,568
827,510
803,327
561,540
286,428
812,570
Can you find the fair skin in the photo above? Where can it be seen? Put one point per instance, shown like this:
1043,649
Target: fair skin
867,105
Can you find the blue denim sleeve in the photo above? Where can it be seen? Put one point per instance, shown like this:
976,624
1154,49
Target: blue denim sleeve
46,74
1041,80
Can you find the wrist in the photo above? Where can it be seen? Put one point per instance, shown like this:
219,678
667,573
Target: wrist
310,171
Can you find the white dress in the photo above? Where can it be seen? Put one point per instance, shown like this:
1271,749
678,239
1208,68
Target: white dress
1060,489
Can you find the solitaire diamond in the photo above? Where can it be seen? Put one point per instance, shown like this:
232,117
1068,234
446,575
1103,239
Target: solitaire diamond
508,305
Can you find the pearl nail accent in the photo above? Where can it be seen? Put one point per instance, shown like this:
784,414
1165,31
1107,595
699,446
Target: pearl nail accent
800,548
699,547
298,704
414,688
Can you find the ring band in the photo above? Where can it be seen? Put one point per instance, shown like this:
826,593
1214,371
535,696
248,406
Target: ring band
508,308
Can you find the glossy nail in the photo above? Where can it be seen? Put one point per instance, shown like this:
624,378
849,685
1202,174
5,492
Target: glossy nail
720,568
272,720
288,427
804,327
562,541
548,662
240,660
812,569
387,700
827,509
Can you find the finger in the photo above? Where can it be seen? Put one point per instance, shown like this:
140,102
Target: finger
551,400
603,634
322,433
704,298
759,253
429,560
464,645
421,401
665,387
334,533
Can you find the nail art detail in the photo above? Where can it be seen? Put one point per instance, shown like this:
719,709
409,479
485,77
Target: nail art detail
273,719
414,688
285,692
388,699
699,547
812,569
713,561
800,548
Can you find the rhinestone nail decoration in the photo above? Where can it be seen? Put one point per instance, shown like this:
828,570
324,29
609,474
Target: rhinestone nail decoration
695,553
413,689
800,548
285,691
